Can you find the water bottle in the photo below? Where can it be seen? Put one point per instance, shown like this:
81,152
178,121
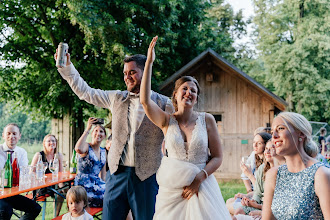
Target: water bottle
56,165
39,168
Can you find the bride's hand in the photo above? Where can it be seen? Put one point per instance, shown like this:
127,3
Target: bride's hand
151,50
189,191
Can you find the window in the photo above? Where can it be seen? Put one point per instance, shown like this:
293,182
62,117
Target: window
217,117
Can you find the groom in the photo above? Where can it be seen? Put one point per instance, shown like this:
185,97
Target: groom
135,153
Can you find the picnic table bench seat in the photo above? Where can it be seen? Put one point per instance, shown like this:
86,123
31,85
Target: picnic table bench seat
95,212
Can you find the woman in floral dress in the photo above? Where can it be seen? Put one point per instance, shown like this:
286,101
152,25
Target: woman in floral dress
91,163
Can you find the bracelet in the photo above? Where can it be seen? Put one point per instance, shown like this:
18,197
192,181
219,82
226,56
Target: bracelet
207,175
86,132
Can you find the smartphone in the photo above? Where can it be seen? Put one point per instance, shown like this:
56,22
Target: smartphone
100,121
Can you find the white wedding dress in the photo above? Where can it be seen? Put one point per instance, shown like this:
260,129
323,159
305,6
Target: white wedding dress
179,169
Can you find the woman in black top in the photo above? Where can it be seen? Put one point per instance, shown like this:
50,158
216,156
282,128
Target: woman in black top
48,153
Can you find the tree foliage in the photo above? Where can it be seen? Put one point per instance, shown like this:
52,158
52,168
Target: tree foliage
31,130
33,31
185,29
293,39
100,33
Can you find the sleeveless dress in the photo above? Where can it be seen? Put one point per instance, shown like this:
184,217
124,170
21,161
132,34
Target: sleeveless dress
89,168
179,169
44,159
294,195
45,191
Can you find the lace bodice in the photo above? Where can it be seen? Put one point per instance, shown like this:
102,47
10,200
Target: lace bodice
197,152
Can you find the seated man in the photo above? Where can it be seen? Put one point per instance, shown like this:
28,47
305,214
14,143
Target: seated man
11,134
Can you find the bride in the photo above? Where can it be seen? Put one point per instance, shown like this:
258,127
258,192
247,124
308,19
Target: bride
187,188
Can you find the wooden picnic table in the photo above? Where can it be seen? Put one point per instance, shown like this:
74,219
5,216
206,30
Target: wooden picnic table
51,184
63,177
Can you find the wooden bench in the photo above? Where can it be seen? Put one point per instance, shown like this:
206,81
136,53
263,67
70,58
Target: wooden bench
95,212
43,200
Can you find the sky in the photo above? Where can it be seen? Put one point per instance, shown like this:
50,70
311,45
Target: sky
246,5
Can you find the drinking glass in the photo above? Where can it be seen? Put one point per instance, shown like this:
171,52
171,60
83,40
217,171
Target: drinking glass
32,177
2,181
66,168
53,167
245,161
23,176
45,168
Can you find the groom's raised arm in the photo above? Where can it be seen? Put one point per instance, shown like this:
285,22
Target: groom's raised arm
78,85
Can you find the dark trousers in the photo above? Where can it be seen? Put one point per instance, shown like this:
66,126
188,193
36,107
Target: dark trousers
125,191
21,203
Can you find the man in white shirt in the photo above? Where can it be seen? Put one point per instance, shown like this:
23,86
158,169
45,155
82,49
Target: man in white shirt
135,152
11,134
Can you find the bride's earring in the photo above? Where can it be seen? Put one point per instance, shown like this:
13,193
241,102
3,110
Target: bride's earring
300,139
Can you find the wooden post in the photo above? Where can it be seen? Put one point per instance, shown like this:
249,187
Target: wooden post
67,132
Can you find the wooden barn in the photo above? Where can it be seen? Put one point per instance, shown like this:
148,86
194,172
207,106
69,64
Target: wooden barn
238,103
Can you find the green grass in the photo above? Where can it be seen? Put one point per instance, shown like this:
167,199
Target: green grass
231,187
31,149
228,190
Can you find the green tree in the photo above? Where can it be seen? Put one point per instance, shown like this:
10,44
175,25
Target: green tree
293,39
185,29
99,34
31,130
33,31
222,26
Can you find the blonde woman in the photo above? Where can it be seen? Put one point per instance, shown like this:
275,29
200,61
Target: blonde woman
299,189
47,154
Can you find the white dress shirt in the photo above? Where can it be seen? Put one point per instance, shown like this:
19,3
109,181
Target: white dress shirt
22,158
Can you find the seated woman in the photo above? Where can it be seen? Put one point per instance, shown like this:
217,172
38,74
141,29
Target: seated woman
259,143
255,204
47,154
252,163
91,163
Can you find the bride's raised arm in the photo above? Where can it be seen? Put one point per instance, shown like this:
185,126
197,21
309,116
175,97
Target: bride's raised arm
152,110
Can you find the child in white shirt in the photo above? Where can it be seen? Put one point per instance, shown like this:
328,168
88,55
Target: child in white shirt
77,202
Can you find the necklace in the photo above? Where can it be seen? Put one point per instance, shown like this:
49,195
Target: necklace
189,121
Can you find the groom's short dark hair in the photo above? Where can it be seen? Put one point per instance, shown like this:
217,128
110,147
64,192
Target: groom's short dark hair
139,59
